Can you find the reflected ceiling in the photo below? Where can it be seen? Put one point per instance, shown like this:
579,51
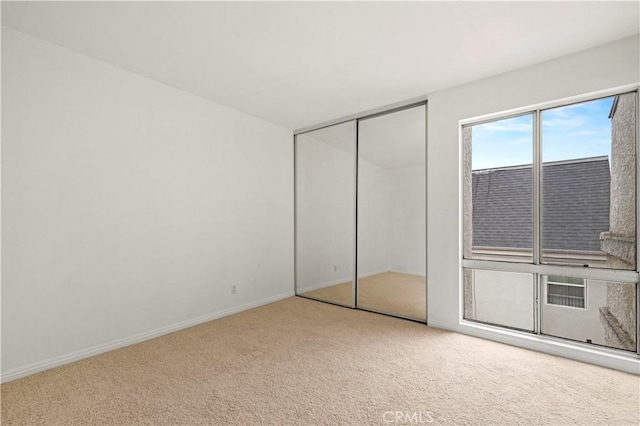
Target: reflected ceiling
389,141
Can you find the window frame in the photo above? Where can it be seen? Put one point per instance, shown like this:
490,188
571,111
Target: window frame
537,267
529,256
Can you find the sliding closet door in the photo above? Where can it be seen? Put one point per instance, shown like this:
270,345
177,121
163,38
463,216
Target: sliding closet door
391,258
325,213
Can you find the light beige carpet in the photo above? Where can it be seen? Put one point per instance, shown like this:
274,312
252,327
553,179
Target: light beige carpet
389,292
298,361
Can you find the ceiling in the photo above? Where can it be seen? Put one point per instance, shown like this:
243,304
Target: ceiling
301,63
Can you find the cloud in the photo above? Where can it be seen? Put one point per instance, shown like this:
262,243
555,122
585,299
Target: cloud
577,115
521,141
566,123
499,126
573,131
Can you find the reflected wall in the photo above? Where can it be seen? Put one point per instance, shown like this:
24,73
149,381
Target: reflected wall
325,191
391,255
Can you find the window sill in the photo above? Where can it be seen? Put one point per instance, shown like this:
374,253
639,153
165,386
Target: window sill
628,362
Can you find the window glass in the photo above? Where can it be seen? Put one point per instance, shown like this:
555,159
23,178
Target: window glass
591,311
588,183
498,193
500,298
566,291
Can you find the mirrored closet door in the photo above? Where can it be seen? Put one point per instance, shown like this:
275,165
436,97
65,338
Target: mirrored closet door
360,189
391,255
325,221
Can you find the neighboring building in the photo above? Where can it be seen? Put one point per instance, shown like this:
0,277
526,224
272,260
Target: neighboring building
619,241
575,208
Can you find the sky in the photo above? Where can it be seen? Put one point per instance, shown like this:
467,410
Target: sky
573,131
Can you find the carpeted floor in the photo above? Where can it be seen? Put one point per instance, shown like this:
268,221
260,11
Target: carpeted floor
298,361
389,292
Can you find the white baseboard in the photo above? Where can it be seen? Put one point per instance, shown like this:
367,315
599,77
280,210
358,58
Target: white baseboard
339,281
50,363
618,360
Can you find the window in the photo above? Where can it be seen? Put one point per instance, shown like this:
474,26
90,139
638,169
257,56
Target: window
588,185
499,199
566,291
500,298
549,221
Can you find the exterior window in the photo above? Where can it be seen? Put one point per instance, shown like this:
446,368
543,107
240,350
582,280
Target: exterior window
549,221
566,291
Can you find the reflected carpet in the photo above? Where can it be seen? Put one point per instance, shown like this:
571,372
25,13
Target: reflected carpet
389,292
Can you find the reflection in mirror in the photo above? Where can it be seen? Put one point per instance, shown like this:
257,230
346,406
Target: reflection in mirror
392,214
325,174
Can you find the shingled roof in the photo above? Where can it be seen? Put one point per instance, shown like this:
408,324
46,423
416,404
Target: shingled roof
575,205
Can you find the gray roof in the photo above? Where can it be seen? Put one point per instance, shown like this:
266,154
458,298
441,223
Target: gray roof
575,205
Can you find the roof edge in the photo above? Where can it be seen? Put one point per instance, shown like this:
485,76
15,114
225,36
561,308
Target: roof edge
548,163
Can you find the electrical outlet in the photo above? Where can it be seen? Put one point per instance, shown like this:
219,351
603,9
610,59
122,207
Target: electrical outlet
233,289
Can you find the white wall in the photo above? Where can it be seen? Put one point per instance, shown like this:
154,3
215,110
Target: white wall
600,68
129,207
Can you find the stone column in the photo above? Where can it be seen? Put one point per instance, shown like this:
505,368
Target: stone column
619,242
467,227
